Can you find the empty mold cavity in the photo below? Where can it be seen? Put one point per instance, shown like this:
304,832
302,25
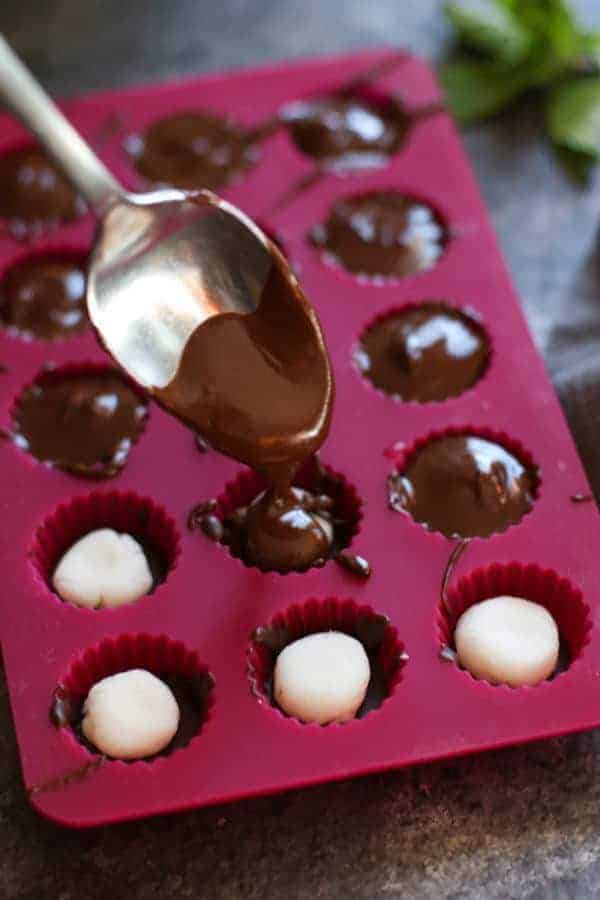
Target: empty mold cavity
171,661
464,482
125,513
42,296
381,235
530,582
84,418
423,353
375,632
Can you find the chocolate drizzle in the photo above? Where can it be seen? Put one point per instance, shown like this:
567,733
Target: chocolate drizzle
44,297
34,195
426,353
381,235
83,422
194,150
463,485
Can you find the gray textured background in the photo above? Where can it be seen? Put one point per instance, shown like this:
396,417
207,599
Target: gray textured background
517,823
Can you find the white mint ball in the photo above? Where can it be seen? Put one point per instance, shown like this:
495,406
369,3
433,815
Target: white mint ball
130,715
507,640
322,677
102,569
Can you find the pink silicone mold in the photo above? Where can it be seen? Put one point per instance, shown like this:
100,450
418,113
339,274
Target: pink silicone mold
210,603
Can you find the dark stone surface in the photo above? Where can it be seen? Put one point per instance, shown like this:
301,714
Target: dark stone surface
518,823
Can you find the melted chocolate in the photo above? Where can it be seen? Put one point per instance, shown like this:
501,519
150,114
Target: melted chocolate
347,132
33,192
259,388
193,151
85,423
464,486
428,353
283,530
192,696
44,297
381,234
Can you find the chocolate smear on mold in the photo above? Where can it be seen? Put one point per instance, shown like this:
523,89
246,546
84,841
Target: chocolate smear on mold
457,552
69,777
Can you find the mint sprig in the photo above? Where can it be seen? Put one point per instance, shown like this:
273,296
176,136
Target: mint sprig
507,48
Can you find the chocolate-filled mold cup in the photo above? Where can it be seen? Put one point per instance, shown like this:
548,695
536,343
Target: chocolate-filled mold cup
123,511
425,352
381,236
171,661
101,414
531,582
375,632
315,477
193,149
42,294
35,197
348,130
464,482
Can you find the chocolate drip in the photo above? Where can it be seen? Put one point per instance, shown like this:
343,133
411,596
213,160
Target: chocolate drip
428,353
464,486
44,297
85,423
259,388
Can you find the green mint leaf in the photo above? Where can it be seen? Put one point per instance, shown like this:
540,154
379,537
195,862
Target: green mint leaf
555,37
590,47
578,165
573,115
488,27
476,90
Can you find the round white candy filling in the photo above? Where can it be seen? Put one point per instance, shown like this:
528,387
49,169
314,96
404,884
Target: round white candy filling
102,569
322,677
507,640
130,715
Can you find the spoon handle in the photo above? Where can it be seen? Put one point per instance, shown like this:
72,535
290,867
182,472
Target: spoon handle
26,98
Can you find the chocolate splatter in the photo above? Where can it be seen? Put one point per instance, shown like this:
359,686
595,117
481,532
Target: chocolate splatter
355,564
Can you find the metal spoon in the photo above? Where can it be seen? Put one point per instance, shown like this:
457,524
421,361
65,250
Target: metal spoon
162,263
